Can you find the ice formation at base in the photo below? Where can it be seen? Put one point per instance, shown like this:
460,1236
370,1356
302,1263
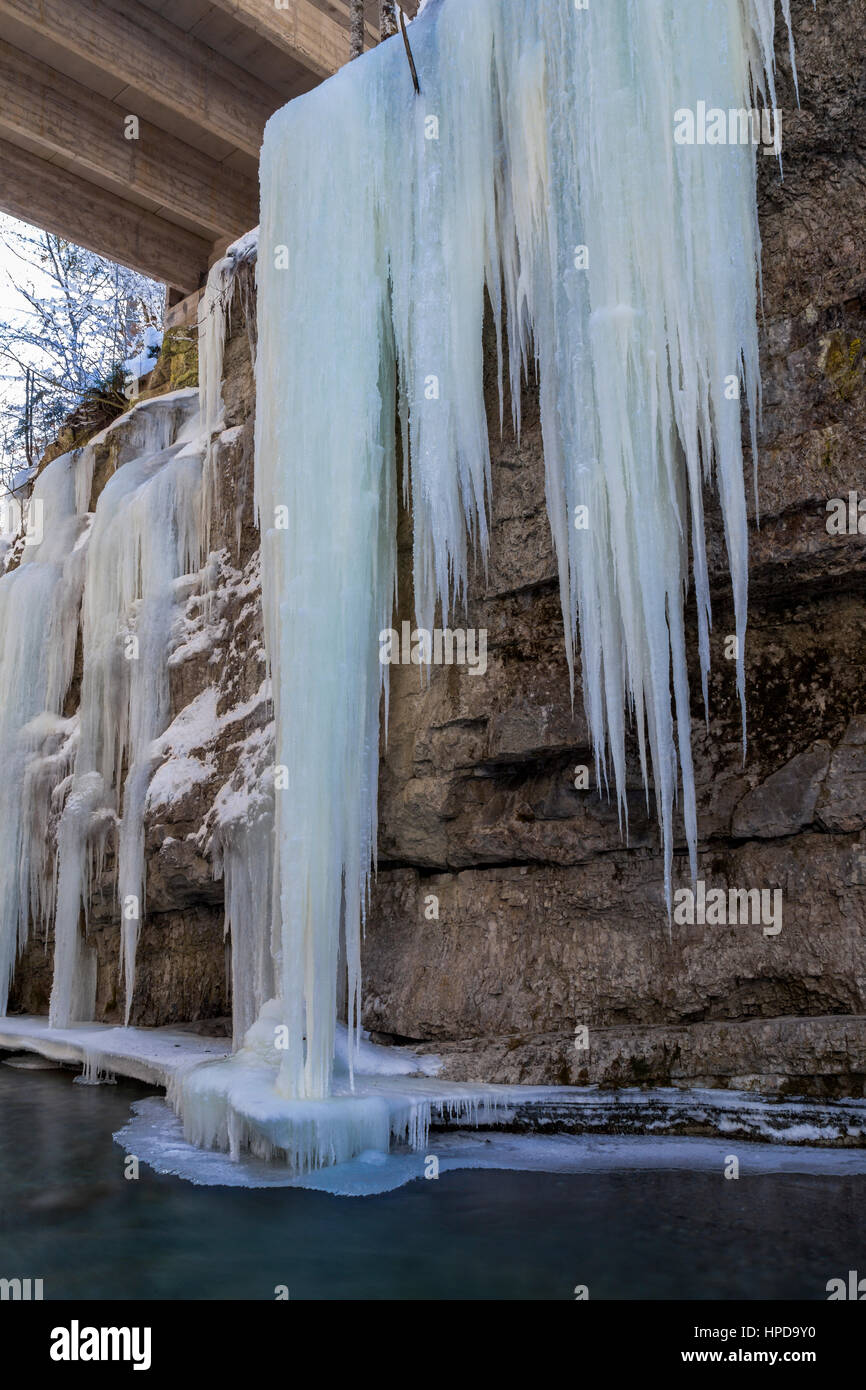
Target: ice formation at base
155,1136
235,1105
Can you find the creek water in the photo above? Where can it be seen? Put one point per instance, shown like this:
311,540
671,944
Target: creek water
70,1217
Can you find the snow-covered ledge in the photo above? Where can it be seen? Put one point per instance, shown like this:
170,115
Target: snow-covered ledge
152,1055
158,1056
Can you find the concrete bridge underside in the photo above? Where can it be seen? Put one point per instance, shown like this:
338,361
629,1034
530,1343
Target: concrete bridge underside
133,127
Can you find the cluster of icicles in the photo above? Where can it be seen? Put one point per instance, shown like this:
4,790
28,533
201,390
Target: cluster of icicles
82,776
109,578
538,165
538,169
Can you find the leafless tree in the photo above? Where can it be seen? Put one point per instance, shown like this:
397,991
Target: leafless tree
68,320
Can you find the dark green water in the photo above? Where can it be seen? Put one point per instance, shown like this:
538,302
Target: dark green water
68,1216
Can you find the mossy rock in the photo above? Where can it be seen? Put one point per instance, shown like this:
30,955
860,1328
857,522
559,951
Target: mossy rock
175,368
177,364
843,362
79,431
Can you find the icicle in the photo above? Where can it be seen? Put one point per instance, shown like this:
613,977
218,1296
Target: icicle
44,785
93,1073
214,324
242,848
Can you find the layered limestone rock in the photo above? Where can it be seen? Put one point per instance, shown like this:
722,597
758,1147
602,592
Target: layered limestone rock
547,923
512,929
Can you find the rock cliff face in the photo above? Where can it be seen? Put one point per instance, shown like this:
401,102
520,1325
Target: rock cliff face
509,912
546,920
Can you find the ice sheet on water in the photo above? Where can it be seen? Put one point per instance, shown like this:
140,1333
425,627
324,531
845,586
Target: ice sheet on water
155,1135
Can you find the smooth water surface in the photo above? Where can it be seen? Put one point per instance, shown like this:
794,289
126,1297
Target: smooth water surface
69,1216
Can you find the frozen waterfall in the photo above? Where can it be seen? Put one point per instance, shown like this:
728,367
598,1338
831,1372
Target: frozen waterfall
540,169
145,535
38,625
539,164
107,575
